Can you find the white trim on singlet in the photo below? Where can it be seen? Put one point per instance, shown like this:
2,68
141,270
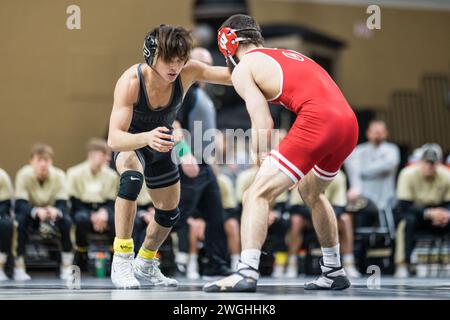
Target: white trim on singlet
288,163
326,172
280,91
318,174
283,169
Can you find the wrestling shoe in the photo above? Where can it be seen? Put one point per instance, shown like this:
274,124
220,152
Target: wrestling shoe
332,278
147,270
239,281
122,275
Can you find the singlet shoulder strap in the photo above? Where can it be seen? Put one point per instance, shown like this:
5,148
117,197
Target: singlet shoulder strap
139,76
142,95
179,87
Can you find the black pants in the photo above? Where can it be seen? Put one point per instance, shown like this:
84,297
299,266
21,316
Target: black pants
200,197
82,220
417,225
6,234
25,221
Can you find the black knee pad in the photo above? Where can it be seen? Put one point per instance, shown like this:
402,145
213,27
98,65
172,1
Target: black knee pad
130,185
167,218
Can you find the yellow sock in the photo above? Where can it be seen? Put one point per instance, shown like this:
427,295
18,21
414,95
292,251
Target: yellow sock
123,245
146,253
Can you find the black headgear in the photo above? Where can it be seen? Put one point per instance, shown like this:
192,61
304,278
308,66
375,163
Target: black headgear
150,48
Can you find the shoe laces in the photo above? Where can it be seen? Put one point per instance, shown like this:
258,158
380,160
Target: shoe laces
154,269
125,268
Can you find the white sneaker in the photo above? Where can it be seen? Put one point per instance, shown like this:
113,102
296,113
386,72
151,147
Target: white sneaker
3,276
192,271
278,271
148,270
65,272
192,275
351,271
291,272
401,272
122,275
20,274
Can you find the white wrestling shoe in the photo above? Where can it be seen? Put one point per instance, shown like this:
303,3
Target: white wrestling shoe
147,270
122,275
20,274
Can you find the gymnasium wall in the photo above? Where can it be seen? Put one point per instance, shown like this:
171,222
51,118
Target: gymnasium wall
57,84
409,44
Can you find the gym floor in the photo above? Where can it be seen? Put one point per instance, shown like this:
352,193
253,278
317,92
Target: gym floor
49,288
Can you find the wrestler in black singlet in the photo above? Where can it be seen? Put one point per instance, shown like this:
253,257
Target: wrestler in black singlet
159,169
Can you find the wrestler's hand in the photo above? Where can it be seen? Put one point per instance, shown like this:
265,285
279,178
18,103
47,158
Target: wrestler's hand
160,139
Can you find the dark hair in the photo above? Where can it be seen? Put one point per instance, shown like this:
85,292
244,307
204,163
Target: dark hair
173,42
242,21
42,150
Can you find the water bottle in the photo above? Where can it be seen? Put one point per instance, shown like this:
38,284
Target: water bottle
100,265
302,261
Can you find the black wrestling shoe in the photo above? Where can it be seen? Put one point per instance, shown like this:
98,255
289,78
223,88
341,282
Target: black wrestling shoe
236,282
332,278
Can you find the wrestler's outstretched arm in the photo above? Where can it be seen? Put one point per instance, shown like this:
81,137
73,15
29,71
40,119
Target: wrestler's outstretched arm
199,71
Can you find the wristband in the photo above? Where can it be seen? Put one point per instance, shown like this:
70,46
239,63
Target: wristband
182,148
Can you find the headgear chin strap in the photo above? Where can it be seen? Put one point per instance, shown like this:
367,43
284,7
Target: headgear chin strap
228,41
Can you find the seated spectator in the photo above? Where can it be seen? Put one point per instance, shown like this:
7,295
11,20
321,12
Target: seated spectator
41,204
92,189
301,221
372,167
423,193
6,221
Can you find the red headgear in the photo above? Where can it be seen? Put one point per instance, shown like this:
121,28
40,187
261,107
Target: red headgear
228,41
